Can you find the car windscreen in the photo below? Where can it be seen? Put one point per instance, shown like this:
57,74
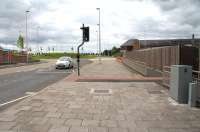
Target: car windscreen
64,59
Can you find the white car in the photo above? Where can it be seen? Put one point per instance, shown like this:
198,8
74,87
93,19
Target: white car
64,62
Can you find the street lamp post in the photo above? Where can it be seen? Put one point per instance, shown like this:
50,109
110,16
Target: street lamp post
97,42
38,50
99,24
27,35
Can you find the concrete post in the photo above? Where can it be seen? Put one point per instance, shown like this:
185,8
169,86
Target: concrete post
192,98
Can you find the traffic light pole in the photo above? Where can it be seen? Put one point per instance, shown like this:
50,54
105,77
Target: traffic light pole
85,38
78,58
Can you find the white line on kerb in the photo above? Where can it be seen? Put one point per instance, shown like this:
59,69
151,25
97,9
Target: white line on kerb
12,101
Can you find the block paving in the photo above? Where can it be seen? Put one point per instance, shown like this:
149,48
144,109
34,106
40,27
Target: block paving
70,107
130,108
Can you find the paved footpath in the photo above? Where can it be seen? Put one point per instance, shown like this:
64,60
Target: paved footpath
109,70
101,107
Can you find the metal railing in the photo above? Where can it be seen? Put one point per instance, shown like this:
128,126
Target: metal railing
196,79
196,76
166,76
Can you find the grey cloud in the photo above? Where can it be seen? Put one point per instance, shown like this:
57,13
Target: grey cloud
150,28
168,5
183,12
12,18
56,37
12,21
89,20
182,20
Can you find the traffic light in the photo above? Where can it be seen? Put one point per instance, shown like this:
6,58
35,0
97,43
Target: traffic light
86,37
86,34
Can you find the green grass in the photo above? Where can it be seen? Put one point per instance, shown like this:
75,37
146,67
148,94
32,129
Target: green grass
32,59
57,55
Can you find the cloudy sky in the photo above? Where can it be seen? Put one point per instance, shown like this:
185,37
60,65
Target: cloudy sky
56,23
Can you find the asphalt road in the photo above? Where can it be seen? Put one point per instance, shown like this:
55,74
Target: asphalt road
16,85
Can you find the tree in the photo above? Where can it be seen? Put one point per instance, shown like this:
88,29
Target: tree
107,52
49,49
115,51
20,42
41,49
72,49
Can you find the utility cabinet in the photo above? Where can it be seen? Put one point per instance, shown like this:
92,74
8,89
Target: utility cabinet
180,77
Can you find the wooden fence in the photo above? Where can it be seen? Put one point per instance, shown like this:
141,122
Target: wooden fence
155,58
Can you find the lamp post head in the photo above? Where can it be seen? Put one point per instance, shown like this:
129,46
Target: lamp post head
27,11
98,8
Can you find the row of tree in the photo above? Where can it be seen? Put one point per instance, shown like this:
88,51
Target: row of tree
113,52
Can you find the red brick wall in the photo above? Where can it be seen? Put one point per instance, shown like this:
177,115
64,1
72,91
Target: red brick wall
9,57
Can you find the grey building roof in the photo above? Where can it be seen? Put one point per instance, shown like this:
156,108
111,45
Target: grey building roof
130,42
167,42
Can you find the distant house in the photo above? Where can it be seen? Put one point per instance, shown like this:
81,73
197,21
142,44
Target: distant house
1,49
130,44
10,48
11,54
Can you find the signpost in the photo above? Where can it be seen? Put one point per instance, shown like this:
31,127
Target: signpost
86,37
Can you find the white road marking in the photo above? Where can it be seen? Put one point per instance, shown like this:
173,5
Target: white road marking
12,101
28,94
31,93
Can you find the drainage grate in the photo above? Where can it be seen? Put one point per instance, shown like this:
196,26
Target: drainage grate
101,91
154,92
132,85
